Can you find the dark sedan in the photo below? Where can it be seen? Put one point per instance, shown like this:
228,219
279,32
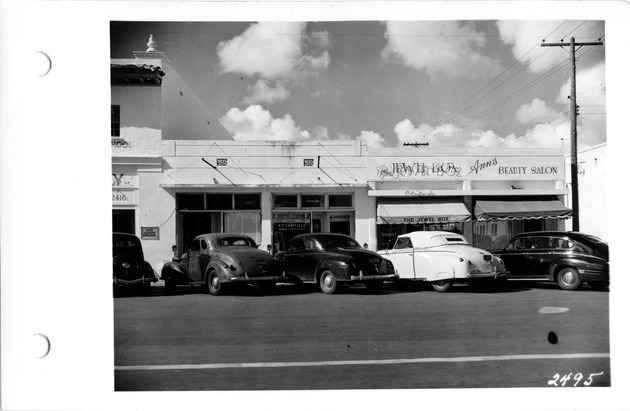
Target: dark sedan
329,259
568,258
130,269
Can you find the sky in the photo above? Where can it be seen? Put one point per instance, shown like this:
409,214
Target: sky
478,83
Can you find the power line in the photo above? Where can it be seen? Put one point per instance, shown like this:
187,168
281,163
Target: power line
452,115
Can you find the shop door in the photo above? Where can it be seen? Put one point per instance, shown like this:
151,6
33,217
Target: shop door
340,224
124,221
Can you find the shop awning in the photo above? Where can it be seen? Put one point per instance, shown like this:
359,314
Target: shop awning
425,211
486,210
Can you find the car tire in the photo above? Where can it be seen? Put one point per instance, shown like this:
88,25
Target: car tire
214,284
328,282
170,286
441,286
568,279
374,285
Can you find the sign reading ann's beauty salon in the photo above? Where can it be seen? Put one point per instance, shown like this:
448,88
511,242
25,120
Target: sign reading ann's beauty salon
465,168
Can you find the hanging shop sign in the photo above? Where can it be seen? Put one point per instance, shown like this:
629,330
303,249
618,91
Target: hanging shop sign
150,233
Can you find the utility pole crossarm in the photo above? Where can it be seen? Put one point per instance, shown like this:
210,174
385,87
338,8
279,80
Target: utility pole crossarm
594,43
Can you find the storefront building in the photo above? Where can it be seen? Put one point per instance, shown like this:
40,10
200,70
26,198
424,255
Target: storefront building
488,195
169,185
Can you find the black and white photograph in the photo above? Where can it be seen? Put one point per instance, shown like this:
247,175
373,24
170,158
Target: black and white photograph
314,205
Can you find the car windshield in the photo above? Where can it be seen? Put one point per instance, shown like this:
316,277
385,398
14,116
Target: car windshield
239,241
339,242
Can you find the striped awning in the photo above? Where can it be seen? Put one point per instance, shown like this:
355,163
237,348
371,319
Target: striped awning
487,210
421,211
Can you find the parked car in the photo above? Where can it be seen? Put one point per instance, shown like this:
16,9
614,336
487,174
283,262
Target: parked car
329,259
214,260
130,269
568,258
442,258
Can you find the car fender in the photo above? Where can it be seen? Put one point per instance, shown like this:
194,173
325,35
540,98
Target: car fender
222,268
340,267
562,263
579,264
442,266
174,270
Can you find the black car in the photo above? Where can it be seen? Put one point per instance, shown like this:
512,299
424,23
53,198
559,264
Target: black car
568,258
328,259
130,269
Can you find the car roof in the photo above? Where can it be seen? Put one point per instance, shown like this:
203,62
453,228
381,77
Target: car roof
423,238
321,235
570,234
221,235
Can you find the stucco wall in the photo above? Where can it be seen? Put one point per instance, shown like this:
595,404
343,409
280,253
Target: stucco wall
593,191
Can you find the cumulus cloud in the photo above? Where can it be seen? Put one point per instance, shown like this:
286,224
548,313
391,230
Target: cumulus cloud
448,48
263,92
449,136
256,124
518,34
274,50
406,132
535,112
371,139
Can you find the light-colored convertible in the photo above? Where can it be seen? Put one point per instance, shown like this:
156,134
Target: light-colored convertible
442,258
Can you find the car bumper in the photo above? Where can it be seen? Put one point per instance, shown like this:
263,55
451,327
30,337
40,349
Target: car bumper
248,279
485,274
374,277
143,280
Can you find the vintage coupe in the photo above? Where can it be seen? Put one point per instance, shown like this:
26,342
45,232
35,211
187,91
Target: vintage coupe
568,258
328,259
130,269
442,258
215,260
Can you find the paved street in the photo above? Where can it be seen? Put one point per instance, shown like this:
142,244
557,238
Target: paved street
518,335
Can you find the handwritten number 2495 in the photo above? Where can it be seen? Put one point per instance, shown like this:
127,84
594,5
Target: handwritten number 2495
567,378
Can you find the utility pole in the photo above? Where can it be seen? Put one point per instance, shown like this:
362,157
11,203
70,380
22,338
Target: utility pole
575,200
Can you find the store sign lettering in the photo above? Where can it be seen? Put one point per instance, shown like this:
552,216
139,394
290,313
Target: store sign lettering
478,166
533,170
117,179
120,144
402,170
429,220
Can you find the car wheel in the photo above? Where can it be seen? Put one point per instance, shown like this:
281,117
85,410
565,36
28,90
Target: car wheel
214,284
328,282
441,286
374,285
568,279
170,286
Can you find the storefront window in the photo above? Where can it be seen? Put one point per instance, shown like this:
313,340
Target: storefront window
493,235
312,201
245,223
339,200
247,201
190,202
219,201
285,201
